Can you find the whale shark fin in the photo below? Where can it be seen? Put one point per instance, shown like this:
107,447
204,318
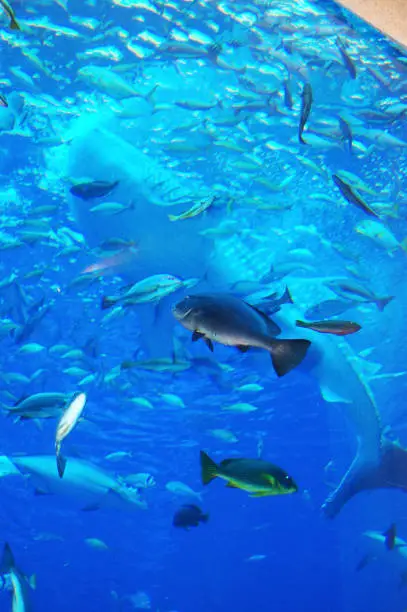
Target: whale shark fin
331,396
389,472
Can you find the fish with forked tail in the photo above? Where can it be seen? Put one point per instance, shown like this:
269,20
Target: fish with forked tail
226,319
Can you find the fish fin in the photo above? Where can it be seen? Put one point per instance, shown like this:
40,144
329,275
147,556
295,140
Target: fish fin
61,464
14,25
390,471
231,485
272,328
260,494
91,507
382,303
127,365
32,581
299,323
209,469
269,479
403,245
301,140
38,424
107,302
286,298
196,335
7,561
331,396
150,94
204,518
242,348
38,492
287,354
209,344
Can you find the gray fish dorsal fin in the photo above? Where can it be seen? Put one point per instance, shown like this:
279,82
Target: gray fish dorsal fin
272,328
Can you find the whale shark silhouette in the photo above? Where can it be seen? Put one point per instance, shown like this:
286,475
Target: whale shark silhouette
344,379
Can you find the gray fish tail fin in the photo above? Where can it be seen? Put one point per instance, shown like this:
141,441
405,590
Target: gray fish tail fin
61,464
287,354
390,471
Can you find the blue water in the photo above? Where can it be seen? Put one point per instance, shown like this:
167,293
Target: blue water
61,129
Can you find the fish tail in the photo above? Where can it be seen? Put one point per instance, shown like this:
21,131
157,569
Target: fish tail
14,25
390,471
287,354
209,469
382,303
301,140
204,518
301,324
287,297
61,464
7,561
107,302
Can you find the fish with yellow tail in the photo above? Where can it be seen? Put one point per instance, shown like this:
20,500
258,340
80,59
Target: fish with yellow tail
257,477
65,426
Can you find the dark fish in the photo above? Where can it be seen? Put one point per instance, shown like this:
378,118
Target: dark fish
346,133
306,103
94,189
351,196
39,311
339,328
189,515
226,319
353,291
255,476
346,59
3,101
327,309
365,560
390,537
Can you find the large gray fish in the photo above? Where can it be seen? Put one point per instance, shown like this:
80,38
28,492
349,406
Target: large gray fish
230,321
306,103
88,485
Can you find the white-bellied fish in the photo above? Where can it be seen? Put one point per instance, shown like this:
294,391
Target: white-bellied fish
89,486
65,425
